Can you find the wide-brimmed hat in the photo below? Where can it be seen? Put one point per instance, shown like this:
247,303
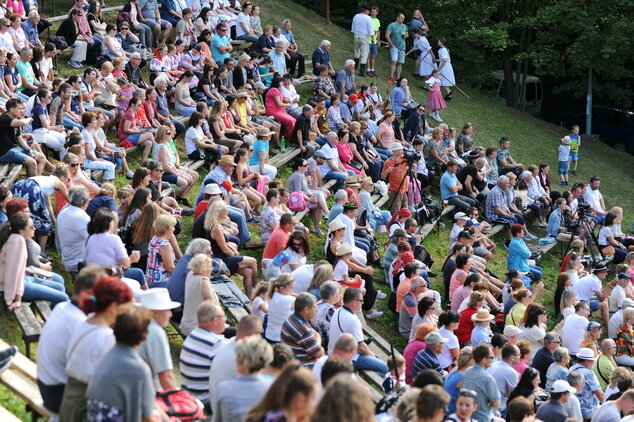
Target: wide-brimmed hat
343,249
586,353
212,189
600,269
435,338
562,386
396,147
244,56
350,206
483,314
158,299
226,160
242,94
353,180
262,131
336,225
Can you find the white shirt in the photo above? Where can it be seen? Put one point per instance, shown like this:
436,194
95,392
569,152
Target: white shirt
291,93
45,66
344,321
72,233
362,25
6,42
586,287
613,325
87,345
572,332
506,379
223,368
444,358
53,344
533,334
191,134
573,407
347,221
331,156
303,276
280,307
616,298
242,19
604,233
593,198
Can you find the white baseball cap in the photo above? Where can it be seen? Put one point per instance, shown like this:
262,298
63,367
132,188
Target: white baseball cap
562,386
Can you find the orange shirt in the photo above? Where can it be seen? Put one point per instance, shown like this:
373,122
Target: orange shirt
396,175
277,243
401,291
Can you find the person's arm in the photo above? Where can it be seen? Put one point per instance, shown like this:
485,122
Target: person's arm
167,380
363,349
388,37
168,258
127,127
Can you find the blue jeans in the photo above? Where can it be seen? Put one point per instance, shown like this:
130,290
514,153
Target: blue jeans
462,203
135,274
379,221
375,168
180,127
384,153
370,363
50,290
535,272
320,141
362,243
69,124
237,216
339,177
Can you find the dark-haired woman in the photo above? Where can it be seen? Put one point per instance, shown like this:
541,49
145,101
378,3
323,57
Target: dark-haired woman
184,104
204,41
608,244
173,172
298,248
206,87
248,179
16,284
122,383
275,105
197,145
91,339
315,199
105,248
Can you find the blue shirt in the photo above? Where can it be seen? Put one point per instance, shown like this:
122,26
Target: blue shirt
397,98
451,387
218,41
279,62
554,222
259,146
518,255
587,399
100,201
479,335
289,36
216,176
425,359
446,181
477,379
37,111
30,31
320,57
176,282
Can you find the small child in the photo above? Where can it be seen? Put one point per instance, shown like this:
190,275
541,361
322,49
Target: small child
124,94
461,222
341,268
564,153
259,302
435,100
575,142
396,375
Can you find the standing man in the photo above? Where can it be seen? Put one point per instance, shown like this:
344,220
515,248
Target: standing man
374,41
362,29
395,170
450,186
396,34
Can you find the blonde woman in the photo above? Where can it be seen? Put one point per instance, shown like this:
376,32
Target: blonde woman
160,254
618,234
281,301
224,246
198,289
183,178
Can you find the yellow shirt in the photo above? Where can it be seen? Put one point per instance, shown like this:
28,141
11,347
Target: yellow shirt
516,314
242,112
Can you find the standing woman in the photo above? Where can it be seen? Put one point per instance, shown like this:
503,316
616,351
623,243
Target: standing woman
184,104
37,191
160,254
275,105
91,339
447,77
435,100
225,246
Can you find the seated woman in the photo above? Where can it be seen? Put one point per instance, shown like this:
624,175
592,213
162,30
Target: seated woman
608,244
105,248
198,289
16,284
37,191
248,179
161,65
206,87
161,258
556,222
74,159
225,246
519,254
222,129
275,105
139,232
183,178
90,122
111,45
538,199
43,132
270,219
76,37
333,113
108,150
324,88
183,102
259,160
346,156
185,28
364,151
375,215
131,133
315,199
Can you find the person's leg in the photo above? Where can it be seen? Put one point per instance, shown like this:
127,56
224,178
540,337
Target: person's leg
80,51
370,363
536,272
458,203
625,360
43,290
145,36
339,177
237,216
362,243
136,274
249,270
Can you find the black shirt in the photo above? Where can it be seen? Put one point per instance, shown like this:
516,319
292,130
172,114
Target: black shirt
541,361
8,134
472,171
301,125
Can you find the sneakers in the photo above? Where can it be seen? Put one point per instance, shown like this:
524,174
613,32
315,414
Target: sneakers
560,183
574,172
374,314
129,175
184,201
74,64
275,150
187,212
448,96
380,295
538,223
529,237
317,231
252,245
6,356
390,80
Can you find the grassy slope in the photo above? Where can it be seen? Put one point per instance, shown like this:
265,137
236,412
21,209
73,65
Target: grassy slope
533,141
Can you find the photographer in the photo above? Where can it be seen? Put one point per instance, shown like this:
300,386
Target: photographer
556,222
395,171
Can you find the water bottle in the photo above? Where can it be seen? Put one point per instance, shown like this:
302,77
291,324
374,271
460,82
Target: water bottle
283,144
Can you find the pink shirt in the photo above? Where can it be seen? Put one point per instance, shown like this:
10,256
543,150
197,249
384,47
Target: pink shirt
521,366
412,348
386,134
454,283
12,267
459,296
269,102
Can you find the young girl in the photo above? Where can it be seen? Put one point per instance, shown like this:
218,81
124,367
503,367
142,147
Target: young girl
340,272
124,95
281,304
568,302
445,68
259,301
435,101
161,65
265,71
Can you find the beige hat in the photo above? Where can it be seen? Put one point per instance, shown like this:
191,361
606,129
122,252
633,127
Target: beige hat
566,140
262,131
242,94
244,56
344,249
226,160
158,299
353,181
336,225
482,315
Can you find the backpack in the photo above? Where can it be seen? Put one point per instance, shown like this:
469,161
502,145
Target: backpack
296,201
433,208
60,42
179,405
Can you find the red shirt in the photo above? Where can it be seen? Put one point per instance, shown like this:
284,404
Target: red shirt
465,326
128,115
277,243
200,208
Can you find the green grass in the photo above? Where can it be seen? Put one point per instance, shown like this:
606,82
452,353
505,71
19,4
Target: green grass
532,141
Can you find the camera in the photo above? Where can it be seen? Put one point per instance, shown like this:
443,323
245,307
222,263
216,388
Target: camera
583,209
411,157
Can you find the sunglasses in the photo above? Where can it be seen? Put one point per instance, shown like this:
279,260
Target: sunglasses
74,164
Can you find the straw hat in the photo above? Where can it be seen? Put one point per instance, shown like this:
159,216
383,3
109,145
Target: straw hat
226,160
262,131
344,249
336,225
482,315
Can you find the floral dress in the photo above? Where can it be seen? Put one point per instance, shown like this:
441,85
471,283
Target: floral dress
155,273
268,216
334,117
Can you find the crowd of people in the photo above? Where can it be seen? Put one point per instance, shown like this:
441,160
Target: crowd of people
478,348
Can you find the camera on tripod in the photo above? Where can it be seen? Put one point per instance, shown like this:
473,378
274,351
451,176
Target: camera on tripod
583,209
411,157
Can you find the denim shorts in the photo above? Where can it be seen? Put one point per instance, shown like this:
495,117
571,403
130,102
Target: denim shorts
594,304
374,49
152,23
134,138
170,178
574,156
562,167
15,155
397,55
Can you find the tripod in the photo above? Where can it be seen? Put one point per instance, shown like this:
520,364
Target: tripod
583,221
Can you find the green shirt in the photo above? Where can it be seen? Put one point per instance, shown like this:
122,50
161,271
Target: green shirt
376,24
396,34
603,369
26,69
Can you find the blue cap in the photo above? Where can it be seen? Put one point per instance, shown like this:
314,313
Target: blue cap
281,258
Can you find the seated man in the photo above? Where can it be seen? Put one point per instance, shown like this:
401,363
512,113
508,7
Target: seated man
297,58
344,320
589,289
450,186
321,56
506,163
344,82
298,333
498,207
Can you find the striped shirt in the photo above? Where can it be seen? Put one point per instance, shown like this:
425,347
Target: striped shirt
300,336
199,349
426,359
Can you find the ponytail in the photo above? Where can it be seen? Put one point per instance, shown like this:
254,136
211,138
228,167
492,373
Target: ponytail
279,283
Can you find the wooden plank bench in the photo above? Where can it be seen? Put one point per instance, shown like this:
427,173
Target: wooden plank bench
41,308
104,10
21,363
281,159
29,324
12,175
6,416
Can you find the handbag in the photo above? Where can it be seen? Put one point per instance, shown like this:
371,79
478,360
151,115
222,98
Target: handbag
608,250
179,405
355,165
